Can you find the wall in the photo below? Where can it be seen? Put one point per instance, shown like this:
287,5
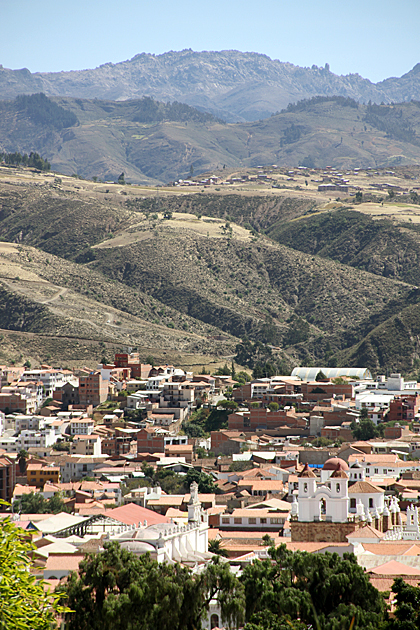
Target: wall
321,532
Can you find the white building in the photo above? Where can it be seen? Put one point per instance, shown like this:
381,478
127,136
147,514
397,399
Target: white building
171,543
37,439
333,500
81,426
329,499
50,379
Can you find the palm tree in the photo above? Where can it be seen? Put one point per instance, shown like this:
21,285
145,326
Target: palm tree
214,547
22,457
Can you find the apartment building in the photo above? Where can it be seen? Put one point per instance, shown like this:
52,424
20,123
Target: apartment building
86,445
93,390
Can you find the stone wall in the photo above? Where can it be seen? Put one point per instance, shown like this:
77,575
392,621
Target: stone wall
321,531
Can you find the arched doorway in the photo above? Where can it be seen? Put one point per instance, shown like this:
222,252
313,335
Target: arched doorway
214,621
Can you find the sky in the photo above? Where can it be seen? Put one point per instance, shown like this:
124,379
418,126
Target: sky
375,38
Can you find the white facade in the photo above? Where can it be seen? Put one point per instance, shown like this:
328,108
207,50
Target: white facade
78,467
10,444
27,422
37,439
50,379
368,495
327,501
137,400
81,426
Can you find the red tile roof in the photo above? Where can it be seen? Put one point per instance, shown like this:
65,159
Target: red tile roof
132,514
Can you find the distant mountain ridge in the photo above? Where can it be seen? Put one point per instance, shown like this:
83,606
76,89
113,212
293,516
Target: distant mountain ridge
234,85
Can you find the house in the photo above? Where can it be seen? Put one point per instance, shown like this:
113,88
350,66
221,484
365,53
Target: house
81,426
73,467
227,442
180,450
86,445
255,519
67,394
23,399
39,474
60,565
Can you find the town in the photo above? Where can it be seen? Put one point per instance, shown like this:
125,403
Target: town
184,466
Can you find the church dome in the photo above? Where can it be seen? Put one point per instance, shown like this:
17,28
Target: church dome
138,547
335,463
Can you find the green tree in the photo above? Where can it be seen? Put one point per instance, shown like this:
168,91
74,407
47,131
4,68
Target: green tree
273,406
116,590
229,405
24,603
320,376
407,611
365,429
243,377
214,547
35,503
121,179
205,482
223,371
317,589
22,457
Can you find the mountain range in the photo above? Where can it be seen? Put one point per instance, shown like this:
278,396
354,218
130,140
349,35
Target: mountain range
233,85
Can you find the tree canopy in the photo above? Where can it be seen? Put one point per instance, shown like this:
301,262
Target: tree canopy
24,603
320,590
116,590
35,503
407,611
365,429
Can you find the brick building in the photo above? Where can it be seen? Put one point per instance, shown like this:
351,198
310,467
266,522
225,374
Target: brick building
7,478
151,440
131,361
93,390
403,408
265,419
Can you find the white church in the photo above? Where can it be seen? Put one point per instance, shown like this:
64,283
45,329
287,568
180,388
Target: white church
332,500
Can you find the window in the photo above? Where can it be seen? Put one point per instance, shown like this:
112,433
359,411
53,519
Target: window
371,503
263,521
305,487
337,487
275,521
352,503
376,471
225,520
252,520
237,521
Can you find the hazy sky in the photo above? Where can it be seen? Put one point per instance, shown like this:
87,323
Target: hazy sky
376,38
